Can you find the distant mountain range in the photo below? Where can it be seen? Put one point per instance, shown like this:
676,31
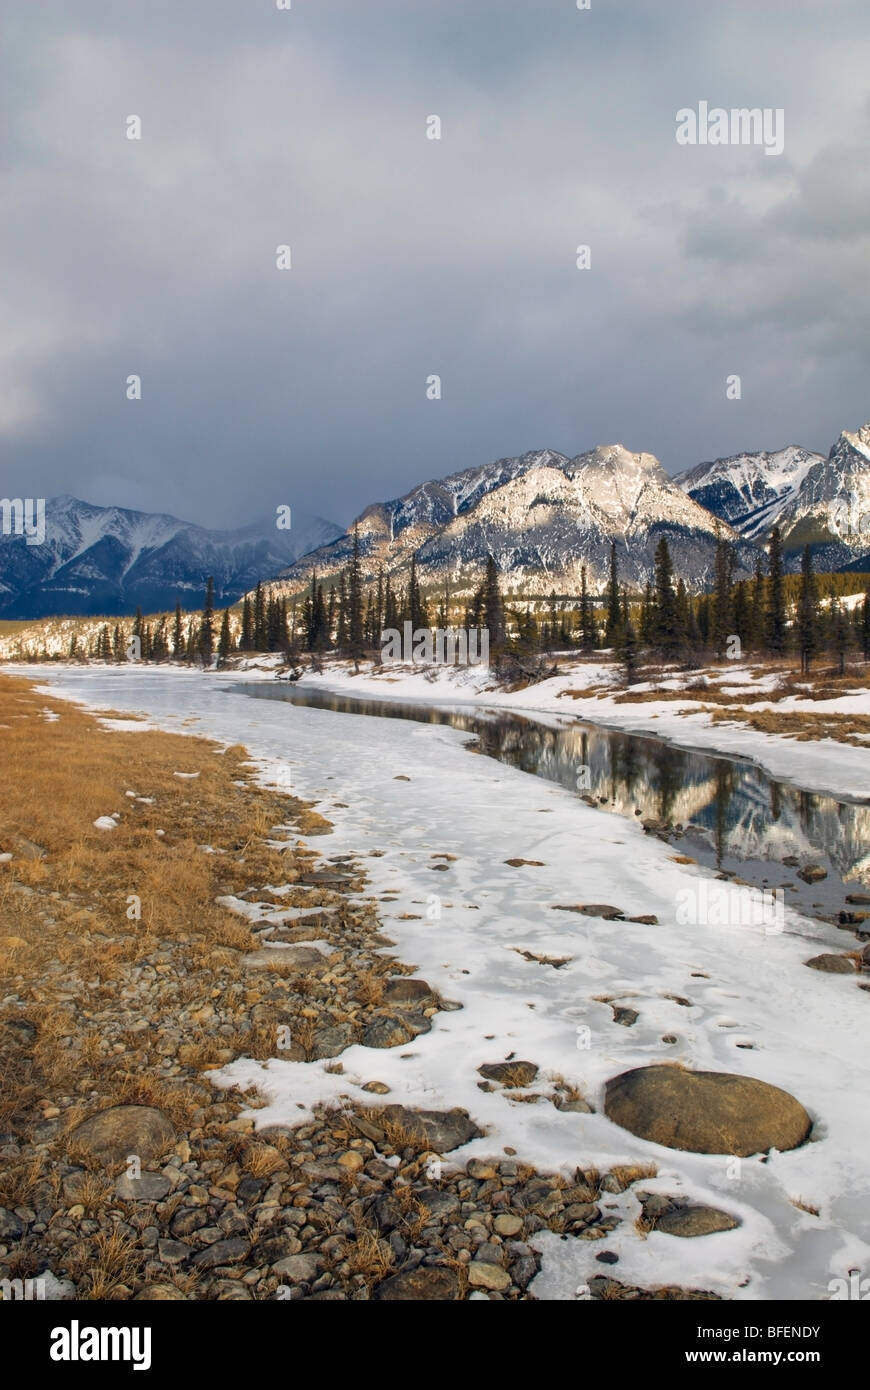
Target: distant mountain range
542,516
108,560
816,501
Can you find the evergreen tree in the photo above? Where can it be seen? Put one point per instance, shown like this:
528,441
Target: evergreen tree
206,626
840,633
225,641
117,644
667,635
775,615
647,615
587,623
723,615
160,642
330,614
492,608
682,609
355,641
178,635
807,611
246,636
341,625
391,607
742,613
259,618
756,634
628,650
417,611
865,625
611,630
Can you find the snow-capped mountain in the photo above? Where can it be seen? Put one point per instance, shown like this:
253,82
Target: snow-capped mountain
816,501
110,560
541,516
749,491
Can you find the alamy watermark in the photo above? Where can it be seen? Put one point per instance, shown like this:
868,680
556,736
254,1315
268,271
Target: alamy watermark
726,905
436,646
23,517
741,125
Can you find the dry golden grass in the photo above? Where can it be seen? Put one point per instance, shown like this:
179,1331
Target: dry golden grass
87,903
803,725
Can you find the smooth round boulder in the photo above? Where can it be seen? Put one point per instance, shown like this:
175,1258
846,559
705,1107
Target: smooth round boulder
705,1112
114,1134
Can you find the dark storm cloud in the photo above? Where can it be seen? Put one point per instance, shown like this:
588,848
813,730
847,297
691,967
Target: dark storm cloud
410,256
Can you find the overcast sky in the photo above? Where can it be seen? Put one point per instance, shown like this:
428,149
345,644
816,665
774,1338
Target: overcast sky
412,256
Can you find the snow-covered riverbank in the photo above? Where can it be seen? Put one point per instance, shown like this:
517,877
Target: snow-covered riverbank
437,826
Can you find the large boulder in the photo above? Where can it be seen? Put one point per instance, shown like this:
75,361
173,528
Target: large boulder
112,1135
708,1112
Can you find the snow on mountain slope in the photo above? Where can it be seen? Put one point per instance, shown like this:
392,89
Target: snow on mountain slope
542,516
816,501
111,560
749,490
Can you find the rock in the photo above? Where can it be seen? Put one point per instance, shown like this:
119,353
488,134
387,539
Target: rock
11,1226
577,1107
173,1252
150,1187
605,910
272,1249
425,1284
581,1213
812,873
480,1169
438,1204
299,1269
282,957
507,1224
832,965
352,1160
859,899
509,1073
112,1135
231,1291
865,955
442,1130
406,992
705,1111
157,1293
329,1042
377,1088
627,1017
188,1220
482,1275
647,919
608,1257
695,1221
392,1030
223,1252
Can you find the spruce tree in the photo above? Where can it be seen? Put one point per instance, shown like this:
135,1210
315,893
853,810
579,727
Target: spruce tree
757,635
723,615
341,623
178,634
865,625
587,623
493,608
206,626
225,641
355,639
246,636
611,630
840,633
775,615
667,636
807,611
259,618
